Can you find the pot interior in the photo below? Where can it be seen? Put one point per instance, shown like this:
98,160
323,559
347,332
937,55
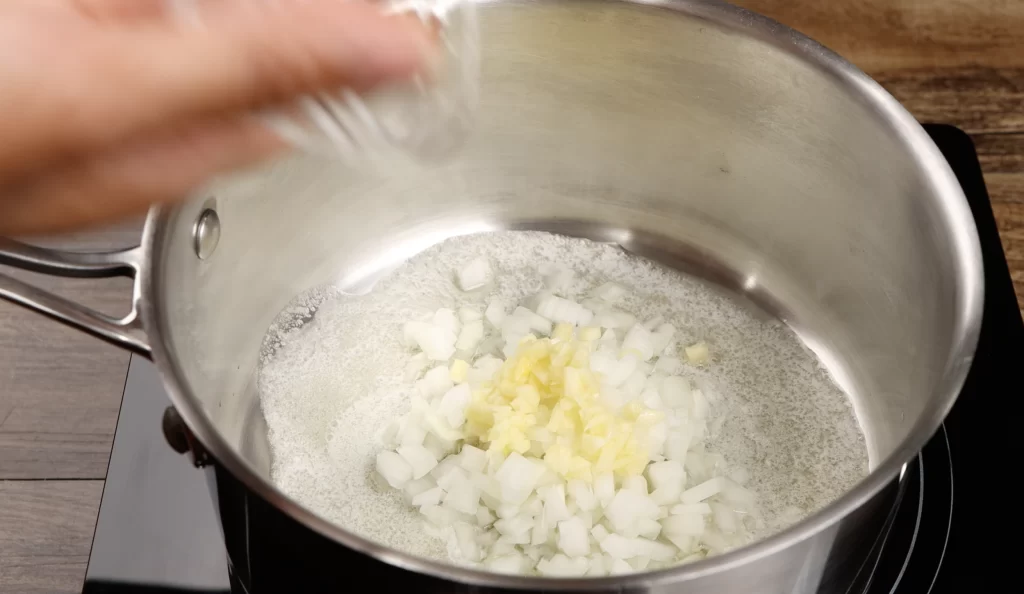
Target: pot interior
705,146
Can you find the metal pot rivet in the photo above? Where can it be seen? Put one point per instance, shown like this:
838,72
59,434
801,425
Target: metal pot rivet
206,233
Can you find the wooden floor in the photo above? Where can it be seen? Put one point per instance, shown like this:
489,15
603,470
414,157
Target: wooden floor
952,61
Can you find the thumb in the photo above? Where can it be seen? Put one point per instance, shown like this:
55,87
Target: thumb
106,83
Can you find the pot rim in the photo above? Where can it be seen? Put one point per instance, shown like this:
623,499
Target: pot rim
951,203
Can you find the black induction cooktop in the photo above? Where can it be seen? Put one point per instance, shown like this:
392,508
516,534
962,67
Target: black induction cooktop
951,531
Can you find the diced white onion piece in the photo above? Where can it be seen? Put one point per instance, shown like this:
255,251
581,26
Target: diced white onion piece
435,382
436,446
669,365
420,460
700,405
555,509
471,335
657,551
627,507
619,567
441,517
395,470
562,566
583,495
651,399
415,366
597,566
638,340
472,459
465,535
462,495
535,322
675,392
684,524
724,517
635,483
667,481
446,319
634,384
599,532
412,434
736,494
539,532
691,508
475,274
682,542
469,314
677,443
715,541
517,528
513,563
649,528
708,488
485,517
518,477
573,539
619,546
411,330
495,312
453,405
429,497
415,487
604,488
452,475
437,343
613,318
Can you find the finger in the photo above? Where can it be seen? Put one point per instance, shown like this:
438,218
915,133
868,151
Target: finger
112,83
127,180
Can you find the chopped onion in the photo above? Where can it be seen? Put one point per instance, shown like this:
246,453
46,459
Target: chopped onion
638,340
541,499
495,313
420,460
475,274
471,335
573,539
395,470
703,491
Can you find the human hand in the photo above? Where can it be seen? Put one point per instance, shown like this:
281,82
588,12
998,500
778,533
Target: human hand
109,106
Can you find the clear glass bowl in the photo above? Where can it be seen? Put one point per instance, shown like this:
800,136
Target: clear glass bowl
425,119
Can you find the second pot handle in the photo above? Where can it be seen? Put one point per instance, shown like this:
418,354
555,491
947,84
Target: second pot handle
125,332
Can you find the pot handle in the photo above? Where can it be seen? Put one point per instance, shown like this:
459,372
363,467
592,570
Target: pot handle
125,332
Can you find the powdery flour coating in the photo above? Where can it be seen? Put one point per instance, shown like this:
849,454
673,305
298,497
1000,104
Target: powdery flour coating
331,381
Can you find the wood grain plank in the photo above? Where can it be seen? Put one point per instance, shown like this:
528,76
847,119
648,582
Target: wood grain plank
975,99
62,389
886,35
46,534
953,61
1002,161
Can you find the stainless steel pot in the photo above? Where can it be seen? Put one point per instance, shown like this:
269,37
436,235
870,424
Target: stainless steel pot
693,132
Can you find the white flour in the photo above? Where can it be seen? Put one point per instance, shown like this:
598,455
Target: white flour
327,381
